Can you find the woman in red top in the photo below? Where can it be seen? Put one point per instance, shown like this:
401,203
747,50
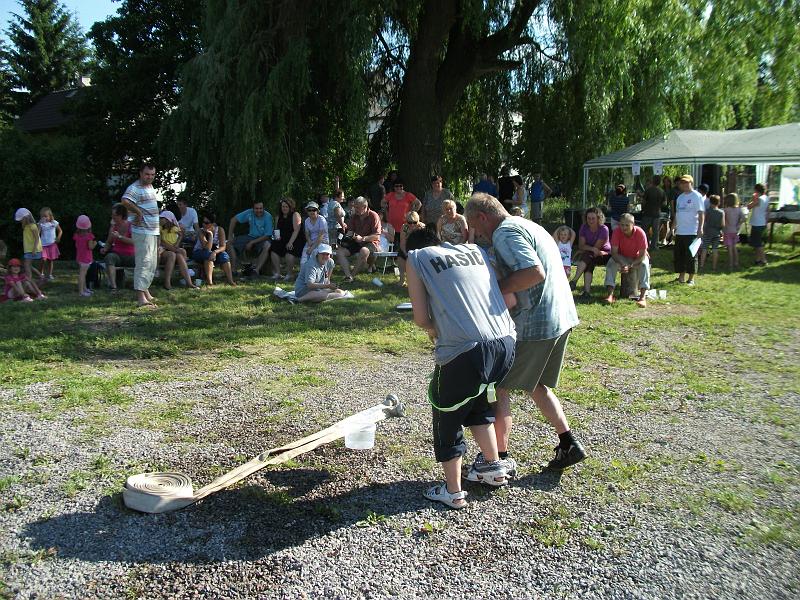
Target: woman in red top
398,204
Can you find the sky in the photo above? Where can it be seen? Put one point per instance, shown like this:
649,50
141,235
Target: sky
87,11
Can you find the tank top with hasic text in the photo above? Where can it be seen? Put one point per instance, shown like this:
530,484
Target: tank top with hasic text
464,299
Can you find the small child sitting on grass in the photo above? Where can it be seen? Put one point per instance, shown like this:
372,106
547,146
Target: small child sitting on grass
314,283
18,286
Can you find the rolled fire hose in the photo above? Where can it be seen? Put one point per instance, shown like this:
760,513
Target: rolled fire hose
167,491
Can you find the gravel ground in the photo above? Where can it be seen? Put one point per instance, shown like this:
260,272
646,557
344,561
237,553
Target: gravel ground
676,501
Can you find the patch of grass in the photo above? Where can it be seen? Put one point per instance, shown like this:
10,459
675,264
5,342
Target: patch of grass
371,519
554,529
733,499
14,557
776,527
76,482
593,543
22,452
329,512
17,502
7,481
164,416
259,494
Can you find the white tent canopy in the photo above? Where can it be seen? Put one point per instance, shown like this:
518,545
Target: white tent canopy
779,145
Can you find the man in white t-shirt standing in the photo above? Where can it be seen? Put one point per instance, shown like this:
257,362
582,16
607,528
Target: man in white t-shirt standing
189,222
689,218
142,203
759,206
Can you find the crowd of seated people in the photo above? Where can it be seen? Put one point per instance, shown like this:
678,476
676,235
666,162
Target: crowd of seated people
355,231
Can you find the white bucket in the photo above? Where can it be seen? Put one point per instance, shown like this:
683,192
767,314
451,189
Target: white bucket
361,439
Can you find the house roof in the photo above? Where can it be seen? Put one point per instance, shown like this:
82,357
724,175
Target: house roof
46,114
773,145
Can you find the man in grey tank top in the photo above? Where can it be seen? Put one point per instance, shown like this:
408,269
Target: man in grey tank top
456,299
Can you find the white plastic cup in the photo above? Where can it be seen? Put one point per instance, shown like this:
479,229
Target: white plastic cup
662,294
377,281
361,439
652,294
276,234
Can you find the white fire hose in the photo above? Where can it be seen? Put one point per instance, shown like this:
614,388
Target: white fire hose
165,492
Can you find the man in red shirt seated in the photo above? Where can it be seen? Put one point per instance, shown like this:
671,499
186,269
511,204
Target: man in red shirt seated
628,255
362,237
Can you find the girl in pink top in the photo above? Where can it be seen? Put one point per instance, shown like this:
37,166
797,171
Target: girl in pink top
84,244
18,286
734,217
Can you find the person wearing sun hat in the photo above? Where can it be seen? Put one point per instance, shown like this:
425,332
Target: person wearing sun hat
84,244
689,219
316,230
314,283
170,251
18,286
31,242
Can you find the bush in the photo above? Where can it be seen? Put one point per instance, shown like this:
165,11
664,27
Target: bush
47,170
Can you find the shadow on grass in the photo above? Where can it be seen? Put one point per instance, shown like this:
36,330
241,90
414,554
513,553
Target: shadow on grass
245,523
780,272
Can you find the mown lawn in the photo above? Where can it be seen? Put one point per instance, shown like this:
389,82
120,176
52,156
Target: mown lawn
93,347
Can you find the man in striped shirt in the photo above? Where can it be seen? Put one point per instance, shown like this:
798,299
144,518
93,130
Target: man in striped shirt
142,204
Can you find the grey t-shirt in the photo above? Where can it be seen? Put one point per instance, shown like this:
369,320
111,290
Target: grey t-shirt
464,299
312,272
713,223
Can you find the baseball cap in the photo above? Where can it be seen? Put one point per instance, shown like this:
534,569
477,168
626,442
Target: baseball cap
686,178
21,214
312,205
324,248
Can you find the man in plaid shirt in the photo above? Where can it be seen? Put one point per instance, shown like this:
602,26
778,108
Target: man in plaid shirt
529,266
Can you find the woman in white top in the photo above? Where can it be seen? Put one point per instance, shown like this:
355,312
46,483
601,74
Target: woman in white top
759,206
316,231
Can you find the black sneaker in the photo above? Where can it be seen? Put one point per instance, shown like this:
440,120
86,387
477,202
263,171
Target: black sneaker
567,457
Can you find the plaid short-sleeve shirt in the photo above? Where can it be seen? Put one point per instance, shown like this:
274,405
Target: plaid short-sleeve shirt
544,311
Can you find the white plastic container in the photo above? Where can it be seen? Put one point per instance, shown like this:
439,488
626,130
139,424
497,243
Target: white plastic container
662,294
198,282
361,439
377,281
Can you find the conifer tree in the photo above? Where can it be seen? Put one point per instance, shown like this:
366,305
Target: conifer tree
48,51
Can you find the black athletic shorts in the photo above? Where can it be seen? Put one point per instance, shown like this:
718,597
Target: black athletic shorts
458,394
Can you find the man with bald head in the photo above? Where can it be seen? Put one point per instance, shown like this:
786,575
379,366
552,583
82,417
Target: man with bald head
529,266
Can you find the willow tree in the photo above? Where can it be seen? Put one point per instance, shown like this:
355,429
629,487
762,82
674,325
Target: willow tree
633,69
276,100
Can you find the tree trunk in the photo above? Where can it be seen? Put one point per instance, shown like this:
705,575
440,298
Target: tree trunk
445,58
